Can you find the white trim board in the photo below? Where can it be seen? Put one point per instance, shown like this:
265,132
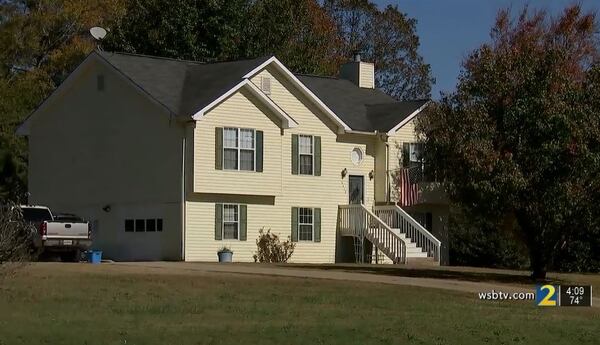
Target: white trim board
301,86
407,119
288,121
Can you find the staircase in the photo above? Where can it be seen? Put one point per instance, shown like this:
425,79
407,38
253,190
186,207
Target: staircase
391,230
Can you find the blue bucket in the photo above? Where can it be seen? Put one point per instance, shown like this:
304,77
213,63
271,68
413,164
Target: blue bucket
94,256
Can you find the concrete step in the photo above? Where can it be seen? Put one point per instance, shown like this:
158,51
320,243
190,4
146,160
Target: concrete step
413,250
416,255
421,262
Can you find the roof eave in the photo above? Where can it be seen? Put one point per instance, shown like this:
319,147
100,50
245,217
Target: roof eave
287,120
24,128
408,119
354,131
303,89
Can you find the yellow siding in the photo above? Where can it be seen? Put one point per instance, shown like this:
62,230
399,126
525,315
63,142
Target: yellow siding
367,75
326,191
406,134
380,171
91,148
239,110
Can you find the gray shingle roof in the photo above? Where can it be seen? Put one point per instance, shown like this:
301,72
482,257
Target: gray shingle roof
182,86
386,116
360,108
185,87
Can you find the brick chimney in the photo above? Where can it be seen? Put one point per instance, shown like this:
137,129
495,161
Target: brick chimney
360,73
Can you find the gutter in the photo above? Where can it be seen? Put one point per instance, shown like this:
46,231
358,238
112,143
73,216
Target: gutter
361,132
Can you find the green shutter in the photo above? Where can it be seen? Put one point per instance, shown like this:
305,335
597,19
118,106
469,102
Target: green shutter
317,156
295,154
218,222
259,151
317,224
243,222
405,155
294,224
219,148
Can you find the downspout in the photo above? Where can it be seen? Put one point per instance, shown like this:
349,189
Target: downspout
387,172
183,182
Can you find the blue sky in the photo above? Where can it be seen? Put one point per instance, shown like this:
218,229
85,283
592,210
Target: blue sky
449,30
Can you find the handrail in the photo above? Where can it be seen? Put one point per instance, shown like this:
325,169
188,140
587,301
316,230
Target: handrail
357,220
397,218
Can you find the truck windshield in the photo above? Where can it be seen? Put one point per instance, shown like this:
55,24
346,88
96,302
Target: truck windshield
36,214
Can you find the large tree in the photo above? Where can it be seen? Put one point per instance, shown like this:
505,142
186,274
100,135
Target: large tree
40,43
299,33
388,38
518,141
199,30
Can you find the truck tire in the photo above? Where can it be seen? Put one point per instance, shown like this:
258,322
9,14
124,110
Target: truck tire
77,255
72,256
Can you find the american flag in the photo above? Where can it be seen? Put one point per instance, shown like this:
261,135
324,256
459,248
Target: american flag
408,191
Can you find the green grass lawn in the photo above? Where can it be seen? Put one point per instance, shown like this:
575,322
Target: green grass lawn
79,304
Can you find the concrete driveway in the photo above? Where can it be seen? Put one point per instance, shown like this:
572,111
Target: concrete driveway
317,272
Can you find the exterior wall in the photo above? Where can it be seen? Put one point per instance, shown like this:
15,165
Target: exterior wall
406,134
362,74
440,215
240,110
381,167
367,75
267,207
432,197
89,150
429,192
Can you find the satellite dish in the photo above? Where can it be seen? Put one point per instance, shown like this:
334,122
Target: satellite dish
98,33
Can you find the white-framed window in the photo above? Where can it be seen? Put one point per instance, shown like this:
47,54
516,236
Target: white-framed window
231,222
306,155
415,154
416,162
305,224
356,156
239,149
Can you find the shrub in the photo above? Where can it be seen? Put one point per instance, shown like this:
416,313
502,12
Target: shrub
271,249
16,237
483,243
225,250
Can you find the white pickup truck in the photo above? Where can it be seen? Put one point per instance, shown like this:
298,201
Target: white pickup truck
65,234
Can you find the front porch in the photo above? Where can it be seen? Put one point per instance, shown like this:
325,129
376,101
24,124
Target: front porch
388,230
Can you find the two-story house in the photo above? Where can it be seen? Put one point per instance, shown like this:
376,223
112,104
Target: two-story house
172,160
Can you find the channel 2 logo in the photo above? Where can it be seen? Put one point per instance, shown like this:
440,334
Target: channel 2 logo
563,295
547,295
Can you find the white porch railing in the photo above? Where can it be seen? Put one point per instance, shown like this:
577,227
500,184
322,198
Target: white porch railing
359,221
397,218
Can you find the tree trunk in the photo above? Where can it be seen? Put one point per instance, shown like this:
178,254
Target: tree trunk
537,264
535,245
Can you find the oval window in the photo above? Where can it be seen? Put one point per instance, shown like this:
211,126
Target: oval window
356,156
